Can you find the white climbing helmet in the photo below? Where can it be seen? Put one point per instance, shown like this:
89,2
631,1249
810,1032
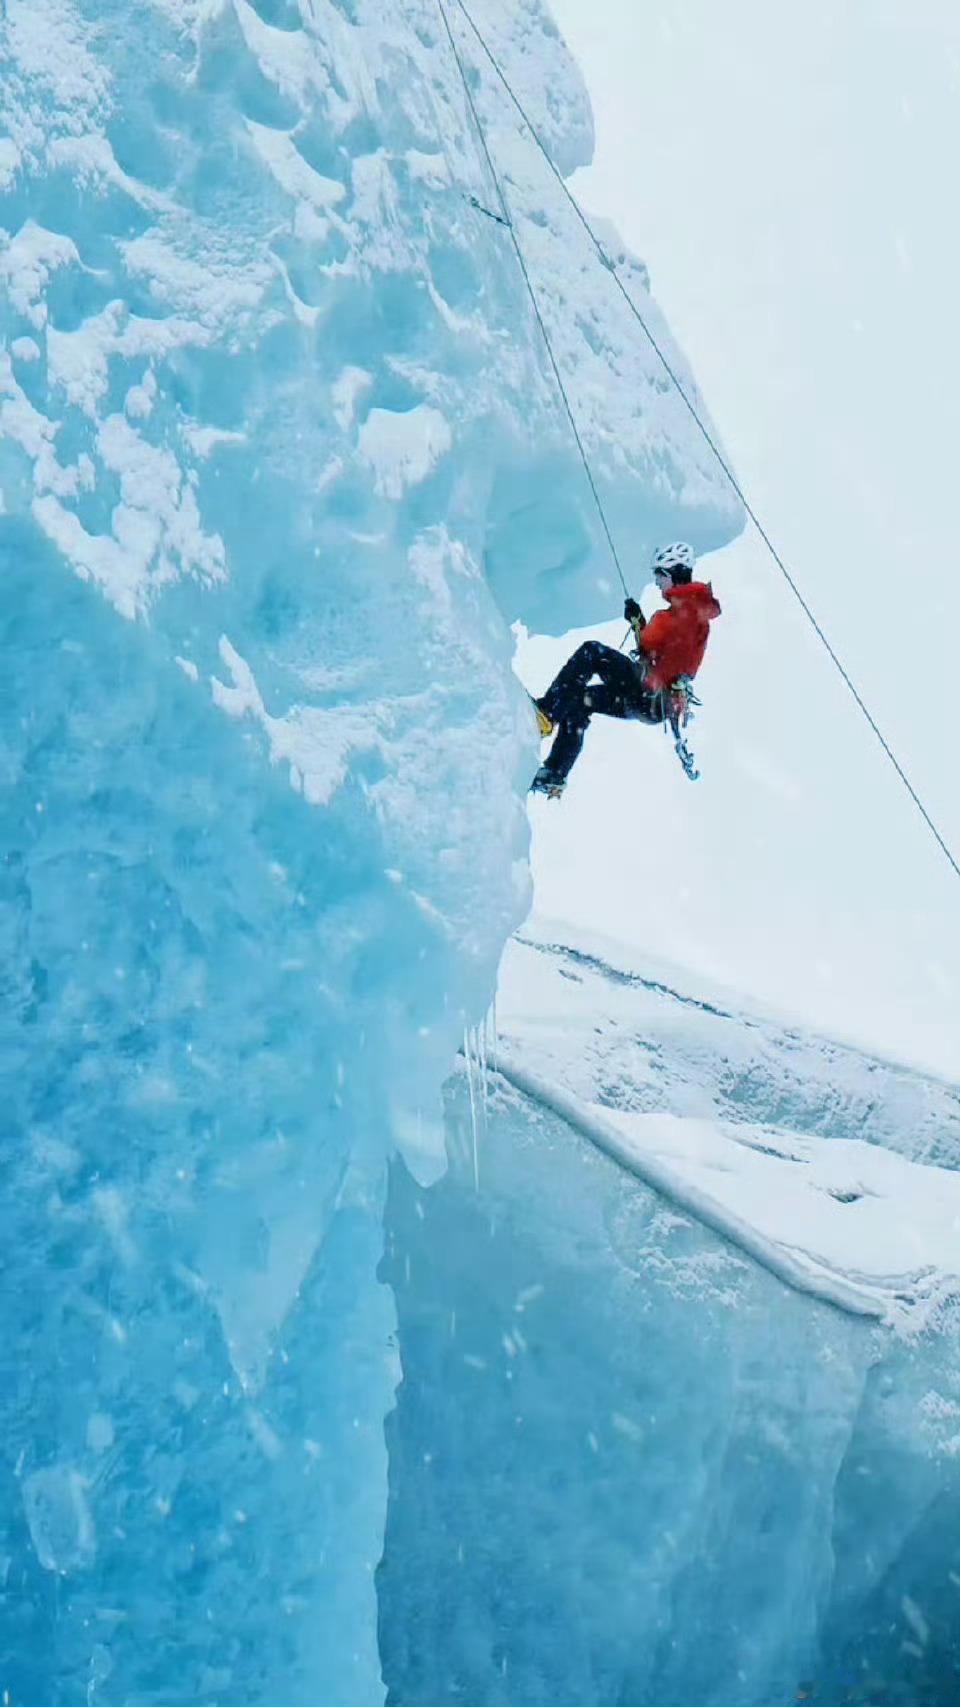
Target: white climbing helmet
673,557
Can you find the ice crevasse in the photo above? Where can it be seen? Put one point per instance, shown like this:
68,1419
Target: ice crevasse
280,462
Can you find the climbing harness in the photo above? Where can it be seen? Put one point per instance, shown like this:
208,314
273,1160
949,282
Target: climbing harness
675,706
675,380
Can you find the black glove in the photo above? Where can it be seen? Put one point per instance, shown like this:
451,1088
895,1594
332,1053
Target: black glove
632,611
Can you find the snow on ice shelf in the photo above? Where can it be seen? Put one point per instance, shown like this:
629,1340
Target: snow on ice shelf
787,1201
835,1211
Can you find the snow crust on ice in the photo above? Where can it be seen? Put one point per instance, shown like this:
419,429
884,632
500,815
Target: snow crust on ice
281,460
628,1463
682,1044
779,1197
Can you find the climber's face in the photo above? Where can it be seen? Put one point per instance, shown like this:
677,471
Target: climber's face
663,578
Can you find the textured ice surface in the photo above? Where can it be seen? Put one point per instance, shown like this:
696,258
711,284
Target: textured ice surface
271,401
628,1466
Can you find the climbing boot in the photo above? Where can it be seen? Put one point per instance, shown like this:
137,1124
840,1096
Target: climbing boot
544,723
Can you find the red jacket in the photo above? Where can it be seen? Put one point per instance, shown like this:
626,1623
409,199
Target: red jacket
675,640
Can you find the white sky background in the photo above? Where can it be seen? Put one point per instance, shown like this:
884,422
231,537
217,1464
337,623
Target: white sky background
789,176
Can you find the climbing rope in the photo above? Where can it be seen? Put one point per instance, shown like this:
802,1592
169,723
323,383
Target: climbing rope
675,380
505,218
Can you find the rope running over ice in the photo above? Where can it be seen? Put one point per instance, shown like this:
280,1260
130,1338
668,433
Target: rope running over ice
507,220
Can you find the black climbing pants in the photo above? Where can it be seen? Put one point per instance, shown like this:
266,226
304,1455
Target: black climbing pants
575,695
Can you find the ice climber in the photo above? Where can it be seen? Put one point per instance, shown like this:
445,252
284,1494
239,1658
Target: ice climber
652,685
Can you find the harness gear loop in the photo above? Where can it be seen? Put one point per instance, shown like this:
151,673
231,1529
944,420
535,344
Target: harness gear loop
679,697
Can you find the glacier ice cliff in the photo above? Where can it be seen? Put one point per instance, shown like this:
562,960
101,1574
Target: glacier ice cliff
280,461
628,1465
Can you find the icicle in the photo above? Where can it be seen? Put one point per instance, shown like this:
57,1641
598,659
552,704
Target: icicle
484,1081
473,1107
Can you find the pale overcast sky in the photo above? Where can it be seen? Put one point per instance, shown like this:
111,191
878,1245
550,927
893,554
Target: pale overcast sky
788,174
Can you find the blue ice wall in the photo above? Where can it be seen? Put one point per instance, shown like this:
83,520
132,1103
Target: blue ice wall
629,1468
194,1352
280,459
